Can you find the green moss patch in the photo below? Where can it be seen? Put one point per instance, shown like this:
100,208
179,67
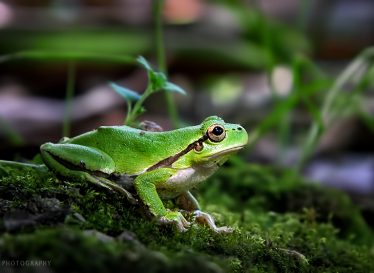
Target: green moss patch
282,224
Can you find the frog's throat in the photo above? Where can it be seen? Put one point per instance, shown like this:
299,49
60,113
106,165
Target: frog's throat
171,159
225,152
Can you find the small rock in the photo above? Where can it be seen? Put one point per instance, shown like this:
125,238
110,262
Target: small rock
128,236
17,219
98,235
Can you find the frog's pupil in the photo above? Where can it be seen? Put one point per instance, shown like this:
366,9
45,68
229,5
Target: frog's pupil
217,131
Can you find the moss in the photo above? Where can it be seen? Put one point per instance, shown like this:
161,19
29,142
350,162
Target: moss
66,249
281,225
267,189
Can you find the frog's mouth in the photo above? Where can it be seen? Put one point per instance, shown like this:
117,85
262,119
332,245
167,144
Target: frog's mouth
225,152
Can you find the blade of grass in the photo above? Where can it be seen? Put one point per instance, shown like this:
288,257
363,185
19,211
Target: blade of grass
328,112
283,107
305,8
69,99
161,60
301,65
50,56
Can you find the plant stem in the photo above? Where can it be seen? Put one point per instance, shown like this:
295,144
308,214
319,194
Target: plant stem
161,60
160,47
303,16
12,135
128,115
132,114
69,99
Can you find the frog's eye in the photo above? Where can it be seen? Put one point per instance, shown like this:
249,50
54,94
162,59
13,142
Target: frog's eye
216,133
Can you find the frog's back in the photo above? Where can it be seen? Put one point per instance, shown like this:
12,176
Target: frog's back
134,150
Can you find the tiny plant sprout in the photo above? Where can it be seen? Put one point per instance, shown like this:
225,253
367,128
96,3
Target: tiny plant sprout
157,81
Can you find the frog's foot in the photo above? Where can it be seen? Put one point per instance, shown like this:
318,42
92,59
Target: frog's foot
176,218
206,219
101,181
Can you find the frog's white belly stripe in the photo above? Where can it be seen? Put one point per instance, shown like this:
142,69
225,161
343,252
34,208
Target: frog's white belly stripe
185,179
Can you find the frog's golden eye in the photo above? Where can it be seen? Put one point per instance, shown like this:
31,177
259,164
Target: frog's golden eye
216,133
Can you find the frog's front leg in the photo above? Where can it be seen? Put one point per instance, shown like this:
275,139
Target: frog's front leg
145,185
81,163
188,202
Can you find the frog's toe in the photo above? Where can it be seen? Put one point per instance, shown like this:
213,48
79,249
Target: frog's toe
112,186
206,219
224,229
183,224
131,198
182,227
176,218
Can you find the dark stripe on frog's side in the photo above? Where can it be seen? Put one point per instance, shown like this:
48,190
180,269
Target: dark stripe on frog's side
171,159
81,167
124,180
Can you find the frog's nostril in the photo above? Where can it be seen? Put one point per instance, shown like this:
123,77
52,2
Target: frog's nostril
240,128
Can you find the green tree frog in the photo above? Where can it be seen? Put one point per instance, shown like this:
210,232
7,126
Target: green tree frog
159,165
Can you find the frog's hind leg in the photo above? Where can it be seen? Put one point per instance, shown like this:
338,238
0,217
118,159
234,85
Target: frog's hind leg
63,166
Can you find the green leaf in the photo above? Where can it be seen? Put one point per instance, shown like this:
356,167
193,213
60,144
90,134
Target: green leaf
141,60
157,79
171,87
127,94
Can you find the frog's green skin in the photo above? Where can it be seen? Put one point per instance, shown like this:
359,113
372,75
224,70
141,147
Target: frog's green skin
163,165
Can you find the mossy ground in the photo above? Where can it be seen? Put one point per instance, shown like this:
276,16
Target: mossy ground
282,224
